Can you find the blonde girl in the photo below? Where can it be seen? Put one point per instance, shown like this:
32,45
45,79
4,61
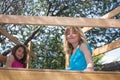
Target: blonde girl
77,51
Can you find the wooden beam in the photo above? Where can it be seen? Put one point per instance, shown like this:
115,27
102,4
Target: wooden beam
6,34
2,58
59,21
42,74
13,39
109,15
106,48
112,13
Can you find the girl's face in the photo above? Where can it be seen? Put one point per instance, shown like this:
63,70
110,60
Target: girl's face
19,53
72,36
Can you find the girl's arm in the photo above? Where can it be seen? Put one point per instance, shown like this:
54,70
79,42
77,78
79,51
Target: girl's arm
88,57
9,61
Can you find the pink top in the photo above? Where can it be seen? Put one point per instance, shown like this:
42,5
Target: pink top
17,64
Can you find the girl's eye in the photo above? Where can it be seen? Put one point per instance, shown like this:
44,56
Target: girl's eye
67,33
19,50
74,32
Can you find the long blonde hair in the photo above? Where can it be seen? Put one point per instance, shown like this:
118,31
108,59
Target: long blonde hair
68,48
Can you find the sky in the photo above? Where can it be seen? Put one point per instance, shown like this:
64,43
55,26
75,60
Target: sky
111,56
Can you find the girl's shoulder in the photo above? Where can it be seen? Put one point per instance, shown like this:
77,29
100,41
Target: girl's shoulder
85,46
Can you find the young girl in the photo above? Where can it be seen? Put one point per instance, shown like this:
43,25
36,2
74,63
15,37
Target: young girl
78,52
17,58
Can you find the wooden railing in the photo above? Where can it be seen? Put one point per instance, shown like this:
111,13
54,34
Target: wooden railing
44,74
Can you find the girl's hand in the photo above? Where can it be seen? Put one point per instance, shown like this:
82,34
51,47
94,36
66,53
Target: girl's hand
89,69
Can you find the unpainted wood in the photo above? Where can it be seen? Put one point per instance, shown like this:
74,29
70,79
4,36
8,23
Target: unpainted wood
28,55
106,48
59,21
10,37
109,15
23,74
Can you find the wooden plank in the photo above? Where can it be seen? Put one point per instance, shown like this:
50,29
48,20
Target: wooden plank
106,48
42,74
2,58
109,15
59,21
13,39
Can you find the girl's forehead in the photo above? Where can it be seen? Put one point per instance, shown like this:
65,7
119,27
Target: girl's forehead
21,48
71,29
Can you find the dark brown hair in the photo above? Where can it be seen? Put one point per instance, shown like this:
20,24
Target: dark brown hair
23,60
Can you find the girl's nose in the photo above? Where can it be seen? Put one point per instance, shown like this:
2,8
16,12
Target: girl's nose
70,34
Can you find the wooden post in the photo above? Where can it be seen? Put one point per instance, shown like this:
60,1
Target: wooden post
28,54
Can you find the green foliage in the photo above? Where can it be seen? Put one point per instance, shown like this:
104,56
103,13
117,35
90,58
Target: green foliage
48,48
96,59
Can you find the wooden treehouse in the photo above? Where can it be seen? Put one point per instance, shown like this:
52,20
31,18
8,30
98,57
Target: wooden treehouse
47,74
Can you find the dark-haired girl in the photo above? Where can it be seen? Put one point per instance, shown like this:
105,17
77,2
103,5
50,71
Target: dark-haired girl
18,57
